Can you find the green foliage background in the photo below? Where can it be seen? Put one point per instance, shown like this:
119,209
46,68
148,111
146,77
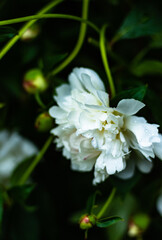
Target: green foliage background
134,43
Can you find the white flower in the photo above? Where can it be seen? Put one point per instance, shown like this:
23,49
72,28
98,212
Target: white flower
93,134
13,149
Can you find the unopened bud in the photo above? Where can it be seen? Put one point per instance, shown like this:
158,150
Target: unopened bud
87,221
31,33
138,224
34,81
44,122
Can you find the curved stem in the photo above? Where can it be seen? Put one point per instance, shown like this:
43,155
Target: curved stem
107,203
105,60
79,43
44,16
39,101
11,43
34,163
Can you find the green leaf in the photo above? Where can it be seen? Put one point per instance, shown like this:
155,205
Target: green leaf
143,20
18,172
136,93
7,33
106,222
91,202
148,67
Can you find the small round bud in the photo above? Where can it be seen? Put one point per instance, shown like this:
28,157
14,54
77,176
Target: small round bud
133,230
44,122
34,81
87,221
31,33
138,224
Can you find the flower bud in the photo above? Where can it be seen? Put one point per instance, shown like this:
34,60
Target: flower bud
31,33
44,122
87,221
34,81
138,224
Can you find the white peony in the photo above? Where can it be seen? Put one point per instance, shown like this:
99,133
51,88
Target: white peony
13,150
93,134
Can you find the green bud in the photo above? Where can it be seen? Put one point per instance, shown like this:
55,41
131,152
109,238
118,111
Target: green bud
34,81
31,33
44,122
87,221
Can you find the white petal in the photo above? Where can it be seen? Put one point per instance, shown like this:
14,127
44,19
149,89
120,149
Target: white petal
143,164
86,81
75,82
95,107
95,79
128,172
158,148
104,98
114,165
87,123
57,112
145,133
129,106
83,166
63,90
99,176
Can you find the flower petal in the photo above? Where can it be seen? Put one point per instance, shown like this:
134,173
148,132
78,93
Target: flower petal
128,172
75,82
145,133
104,98
95,79
158,148
143,164
129,106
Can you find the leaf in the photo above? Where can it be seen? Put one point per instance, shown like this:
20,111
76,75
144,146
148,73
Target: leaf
18,172
136,93
148,67
143,20
106,222
91,202
7,33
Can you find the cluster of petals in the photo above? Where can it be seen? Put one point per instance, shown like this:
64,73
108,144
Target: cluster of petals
13,150
95,135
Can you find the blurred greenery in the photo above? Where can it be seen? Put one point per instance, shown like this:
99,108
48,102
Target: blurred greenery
134,43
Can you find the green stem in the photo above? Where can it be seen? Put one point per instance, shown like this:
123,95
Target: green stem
34,163
39,101
105,60
113,55
46,16
107,203
11,43
79,43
